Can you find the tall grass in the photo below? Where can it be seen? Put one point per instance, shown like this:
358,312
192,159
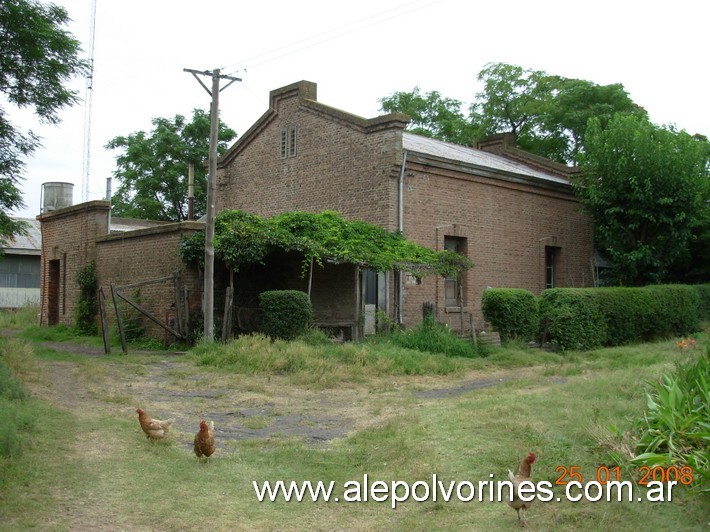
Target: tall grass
430,336
323,363
19,318
16,420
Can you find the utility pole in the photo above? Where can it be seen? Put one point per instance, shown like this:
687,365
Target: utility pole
208,299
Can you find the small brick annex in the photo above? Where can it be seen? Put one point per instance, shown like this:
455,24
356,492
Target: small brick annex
512,213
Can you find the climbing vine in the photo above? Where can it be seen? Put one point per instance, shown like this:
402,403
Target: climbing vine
242,238
87,306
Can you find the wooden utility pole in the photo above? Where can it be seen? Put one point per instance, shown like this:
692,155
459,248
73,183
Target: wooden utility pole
208,300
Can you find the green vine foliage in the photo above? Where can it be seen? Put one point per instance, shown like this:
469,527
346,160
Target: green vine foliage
87,306
242,238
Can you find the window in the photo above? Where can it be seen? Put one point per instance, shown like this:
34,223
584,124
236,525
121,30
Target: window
453,285
288,142
551,254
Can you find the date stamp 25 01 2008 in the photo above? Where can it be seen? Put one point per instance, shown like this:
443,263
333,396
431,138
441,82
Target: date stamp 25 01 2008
682,475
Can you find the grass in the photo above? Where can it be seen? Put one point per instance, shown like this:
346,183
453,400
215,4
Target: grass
94,469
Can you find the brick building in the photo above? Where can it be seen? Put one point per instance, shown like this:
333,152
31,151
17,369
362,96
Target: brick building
513,214
125,251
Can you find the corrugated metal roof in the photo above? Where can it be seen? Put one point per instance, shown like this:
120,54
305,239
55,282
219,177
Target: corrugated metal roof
473,156
28,244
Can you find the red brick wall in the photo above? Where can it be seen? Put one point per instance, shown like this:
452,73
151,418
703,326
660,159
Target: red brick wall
343,163
145,255
77,235
506,225
68,236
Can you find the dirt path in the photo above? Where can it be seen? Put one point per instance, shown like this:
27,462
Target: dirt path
242,407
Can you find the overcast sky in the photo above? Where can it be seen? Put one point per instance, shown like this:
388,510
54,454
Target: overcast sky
357,52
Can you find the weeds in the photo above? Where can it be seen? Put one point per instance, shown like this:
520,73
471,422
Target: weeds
675,429
14,416
432,337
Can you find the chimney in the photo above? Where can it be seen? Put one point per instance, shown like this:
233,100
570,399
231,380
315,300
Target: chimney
497,144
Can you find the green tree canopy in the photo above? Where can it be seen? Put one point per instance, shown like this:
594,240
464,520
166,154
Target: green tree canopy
647,189
37,57
242,238
431,115
548,114
153,168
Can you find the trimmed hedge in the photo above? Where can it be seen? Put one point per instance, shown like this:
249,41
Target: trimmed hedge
626,313
570,318
285,314
704,295
585,318
513,312
676,310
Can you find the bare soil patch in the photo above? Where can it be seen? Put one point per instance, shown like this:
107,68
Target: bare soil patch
241,406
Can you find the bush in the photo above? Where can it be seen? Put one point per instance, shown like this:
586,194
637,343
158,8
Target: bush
433,337
87,306
513,312
285,314
673,430
571,319
703,291
626,313
674,310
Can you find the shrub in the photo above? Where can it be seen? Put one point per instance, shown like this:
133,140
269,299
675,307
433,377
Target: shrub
570,318
285,314
433,337
513,312
674,310
703,291
626,313
87,306
673,430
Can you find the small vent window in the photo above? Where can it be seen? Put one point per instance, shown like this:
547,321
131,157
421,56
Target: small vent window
288,142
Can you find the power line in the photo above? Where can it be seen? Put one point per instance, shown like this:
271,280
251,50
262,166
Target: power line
356,26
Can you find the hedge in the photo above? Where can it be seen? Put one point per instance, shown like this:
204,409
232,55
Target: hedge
570,318
285,314
513,312
585,318
704,298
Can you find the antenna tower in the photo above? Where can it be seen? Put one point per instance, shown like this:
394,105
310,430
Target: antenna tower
87,107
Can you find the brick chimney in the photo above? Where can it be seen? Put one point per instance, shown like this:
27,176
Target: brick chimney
498,144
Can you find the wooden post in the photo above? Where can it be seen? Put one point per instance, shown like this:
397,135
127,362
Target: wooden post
119,320
310,279
104,321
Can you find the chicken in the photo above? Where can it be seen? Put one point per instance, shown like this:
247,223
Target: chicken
204,440
155,429
523,474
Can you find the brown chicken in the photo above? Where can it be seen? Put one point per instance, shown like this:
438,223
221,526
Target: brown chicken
523,474
204,440
155,429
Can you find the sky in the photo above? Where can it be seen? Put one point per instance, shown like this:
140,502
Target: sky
357,53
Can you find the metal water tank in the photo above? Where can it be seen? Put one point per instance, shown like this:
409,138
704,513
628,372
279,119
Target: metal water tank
56,195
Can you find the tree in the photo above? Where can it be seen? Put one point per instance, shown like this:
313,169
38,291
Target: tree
646,188
548,114
574,102
432,115
512,100
37,58
153,169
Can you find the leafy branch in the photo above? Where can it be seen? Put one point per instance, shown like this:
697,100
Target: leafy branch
242,238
